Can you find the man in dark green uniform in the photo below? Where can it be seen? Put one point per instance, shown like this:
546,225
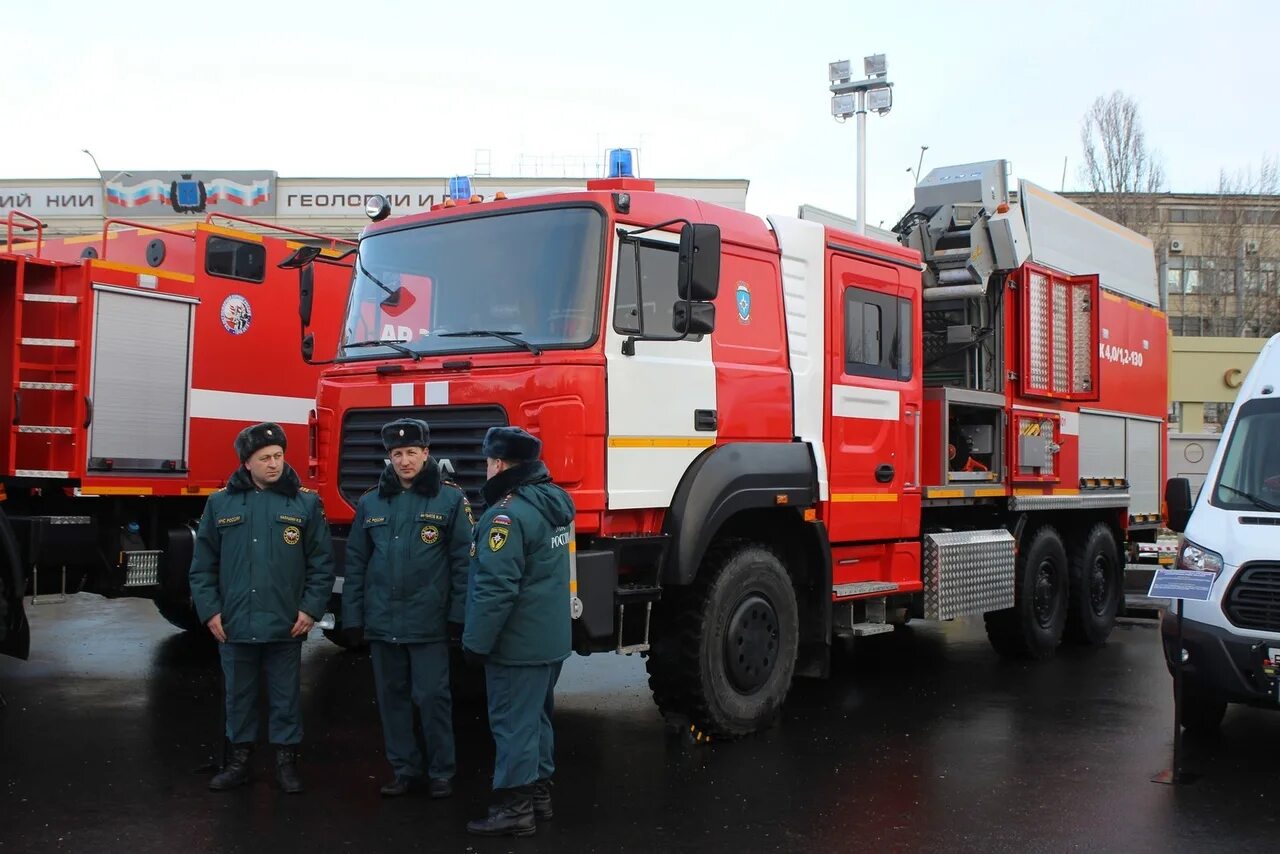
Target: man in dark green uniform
404,590
261,576
518,623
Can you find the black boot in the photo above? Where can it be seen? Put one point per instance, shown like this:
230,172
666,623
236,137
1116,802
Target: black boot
400,785
542,800
512,816
287,769
236,771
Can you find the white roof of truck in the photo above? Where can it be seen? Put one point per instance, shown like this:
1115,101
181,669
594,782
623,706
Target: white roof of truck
1075,240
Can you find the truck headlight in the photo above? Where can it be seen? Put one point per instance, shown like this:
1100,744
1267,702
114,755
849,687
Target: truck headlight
1192,556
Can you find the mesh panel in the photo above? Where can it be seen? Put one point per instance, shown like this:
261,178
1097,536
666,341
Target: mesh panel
1061,339
1083,344
1039,368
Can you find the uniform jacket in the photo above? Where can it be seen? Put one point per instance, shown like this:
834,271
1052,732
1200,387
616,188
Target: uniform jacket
518,601
262,556
407,559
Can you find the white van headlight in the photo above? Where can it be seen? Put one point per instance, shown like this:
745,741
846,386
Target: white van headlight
1192,556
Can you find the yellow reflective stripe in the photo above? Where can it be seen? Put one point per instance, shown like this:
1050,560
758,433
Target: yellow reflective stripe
129,268
864,497
115,490
658,442
231,232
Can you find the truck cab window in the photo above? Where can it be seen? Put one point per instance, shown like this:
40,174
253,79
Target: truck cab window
877,335
658,268
235,259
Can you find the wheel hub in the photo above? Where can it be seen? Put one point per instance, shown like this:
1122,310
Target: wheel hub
1099,588
751,643
1045,593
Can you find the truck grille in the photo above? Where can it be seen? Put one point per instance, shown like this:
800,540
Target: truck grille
457,434
1253,600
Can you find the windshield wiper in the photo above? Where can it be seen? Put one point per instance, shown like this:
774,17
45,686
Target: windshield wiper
399,348
508,335
1257,502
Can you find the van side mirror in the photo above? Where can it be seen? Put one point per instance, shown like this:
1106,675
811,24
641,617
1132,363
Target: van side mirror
699,272
693,318
300,257
1178,505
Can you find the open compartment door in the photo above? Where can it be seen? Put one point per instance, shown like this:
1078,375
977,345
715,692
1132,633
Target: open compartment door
1060,335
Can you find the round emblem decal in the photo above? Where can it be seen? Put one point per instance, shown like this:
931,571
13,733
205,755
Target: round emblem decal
236,314
430,534
292,535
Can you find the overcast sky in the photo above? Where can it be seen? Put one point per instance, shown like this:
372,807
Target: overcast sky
710,89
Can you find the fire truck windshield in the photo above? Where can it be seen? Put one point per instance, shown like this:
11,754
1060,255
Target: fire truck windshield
515,280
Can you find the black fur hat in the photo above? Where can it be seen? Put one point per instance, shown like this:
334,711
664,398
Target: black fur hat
511,444
405,433
255,438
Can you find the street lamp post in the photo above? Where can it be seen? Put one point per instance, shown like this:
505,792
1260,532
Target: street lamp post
854,98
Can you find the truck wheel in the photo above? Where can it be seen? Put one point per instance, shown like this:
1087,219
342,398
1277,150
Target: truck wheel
180,612
1202,708
1096,588
728,664
1033,627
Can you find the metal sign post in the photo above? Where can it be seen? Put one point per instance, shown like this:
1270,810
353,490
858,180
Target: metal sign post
1179,585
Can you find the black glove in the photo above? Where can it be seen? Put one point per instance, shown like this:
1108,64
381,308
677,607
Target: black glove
454,631
354,636
473,658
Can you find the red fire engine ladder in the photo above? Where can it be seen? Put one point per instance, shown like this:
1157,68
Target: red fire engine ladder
48,423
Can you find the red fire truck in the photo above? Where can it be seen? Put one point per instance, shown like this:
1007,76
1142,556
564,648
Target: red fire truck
133,358
778,433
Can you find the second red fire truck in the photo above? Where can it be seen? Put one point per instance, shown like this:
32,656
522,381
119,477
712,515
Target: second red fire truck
778,433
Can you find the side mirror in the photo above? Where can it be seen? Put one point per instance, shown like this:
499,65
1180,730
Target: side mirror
300,257
699,273
694,318
308,347
1178,505
306,293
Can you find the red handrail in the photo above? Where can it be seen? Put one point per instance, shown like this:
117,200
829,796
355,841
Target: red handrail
39,227
107,223
272,225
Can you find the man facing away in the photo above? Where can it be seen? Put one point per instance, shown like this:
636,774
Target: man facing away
518,623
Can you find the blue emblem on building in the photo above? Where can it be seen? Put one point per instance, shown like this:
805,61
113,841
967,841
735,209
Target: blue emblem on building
743,297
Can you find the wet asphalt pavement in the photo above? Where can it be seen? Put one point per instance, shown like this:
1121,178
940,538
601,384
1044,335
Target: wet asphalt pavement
923,739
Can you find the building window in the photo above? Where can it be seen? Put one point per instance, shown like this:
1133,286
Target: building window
1215,415
1175,325
1191,325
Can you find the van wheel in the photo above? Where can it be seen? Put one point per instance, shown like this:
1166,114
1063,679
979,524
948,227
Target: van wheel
1096,588
1202,708
727,658
1033,627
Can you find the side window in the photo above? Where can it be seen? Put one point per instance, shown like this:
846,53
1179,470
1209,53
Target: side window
658,267
235,259
877,335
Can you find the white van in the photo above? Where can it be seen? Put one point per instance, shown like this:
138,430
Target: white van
1232,641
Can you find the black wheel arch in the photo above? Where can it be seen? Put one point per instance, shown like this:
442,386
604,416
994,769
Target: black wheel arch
725,481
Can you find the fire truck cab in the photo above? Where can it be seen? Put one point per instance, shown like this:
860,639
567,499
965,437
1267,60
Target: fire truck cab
778,433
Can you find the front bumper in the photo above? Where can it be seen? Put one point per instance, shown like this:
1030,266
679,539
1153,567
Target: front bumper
1221,660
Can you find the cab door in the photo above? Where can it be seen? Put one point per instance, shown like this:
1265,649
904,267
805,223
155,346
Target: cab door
661,393
873,432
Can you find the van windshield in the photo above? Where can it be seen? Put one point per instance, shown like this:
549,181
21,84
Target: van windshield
1250,475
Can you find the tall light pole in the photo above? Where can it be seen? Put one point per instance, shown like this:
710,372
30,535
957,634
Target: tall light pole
103,180
854,98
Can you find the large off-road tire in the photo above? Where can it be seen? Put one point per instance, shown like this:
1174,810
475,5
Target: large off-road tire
1033,627
1202,708
181,613
724,650
1097,588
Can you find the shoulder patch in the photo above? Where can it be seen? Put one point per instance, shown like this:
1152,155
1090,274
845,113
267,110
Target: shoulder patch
306,489
501,519
498,538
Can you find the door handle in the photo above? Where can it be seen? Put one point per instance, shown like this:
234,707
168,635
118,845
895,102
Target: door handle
884,473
